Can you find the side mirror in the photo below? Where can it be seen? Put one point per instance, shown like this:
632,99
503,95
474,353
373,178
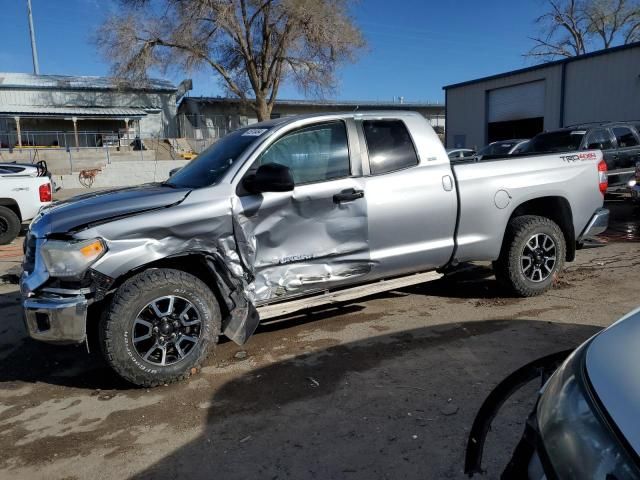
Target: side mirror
272,177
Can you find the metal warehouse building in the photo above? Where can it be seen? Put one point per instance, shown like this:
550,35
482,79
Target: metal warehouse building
599,86
65,111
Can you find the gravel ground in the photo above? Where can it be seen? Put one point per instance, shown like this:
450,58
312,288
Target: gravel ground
385,387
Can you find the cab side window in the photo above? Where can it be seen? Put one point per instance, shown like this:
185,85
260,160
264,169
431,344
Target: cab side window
390,146
625,137
313,154
599,139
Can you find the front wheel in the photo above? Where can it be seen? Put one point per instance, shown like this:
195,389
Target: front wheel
160,327
533,254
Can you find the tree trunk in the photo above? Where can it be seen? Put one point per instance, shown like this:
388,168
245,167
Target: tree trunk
263,109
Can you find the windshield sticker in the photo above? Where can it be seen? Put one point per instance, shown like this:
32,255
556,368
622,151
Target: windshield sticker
254,132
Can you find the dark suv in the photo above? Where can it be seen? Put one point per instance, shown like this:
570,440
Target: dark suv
619,142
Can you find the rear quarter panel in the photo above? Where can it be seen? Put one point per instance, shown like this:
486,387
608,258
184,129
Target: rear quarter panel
483,213
25,192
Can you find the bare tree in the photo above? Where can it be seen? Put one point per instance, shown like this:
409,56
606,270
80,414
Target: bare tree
575,27
614,21
252,46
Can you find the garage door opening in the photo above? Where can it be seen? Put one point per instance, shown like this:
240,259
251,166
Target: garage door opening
524,128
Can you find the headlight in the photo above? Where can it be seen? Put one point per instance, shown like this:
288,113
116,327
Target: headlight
71,259
578,440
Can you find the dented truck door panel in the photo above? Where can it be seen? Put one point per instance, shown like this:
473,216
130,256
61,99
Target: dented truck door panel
315,236
412,216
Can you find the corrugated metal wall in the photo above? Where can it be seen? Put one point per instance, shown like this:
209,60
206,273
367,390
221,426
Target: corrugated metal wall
161,123
467,105
598,88
604,88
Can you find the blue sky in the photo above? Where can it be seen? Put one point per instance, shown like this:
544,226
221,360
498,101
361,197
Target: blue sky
414,46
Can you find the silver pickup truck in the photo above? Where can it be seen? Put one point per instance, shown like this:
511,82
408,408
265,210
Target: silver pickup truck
287,214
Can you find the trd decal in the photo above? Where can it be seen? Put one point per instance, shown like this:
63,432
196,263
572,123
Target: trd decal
578,157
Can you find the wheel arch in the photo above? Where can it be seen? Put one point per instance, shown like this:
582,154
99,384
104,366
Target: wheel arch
194,263
12,205
239,316
555,208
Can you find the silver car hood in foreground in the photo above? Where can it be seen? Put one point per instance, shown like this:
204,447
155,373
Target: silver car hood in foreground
612,364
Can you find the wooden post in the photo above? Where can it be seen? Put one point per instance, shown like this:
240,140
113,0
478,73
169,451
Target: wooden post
17,119
126,130
75,132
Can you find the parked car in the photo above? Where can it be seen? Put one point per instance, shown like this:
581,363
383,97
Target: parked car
286,214
584,424
457,154
22,194
619,142
503,147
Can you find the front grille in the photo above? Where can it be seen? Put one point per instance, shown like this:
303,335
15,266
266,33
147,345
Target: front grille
29,261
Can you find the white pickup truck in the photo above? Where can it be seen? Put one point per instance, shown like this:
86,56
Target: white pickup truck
24,189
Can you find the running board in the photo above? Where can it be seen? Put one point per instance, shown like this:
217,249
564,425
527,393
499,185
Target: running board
339,296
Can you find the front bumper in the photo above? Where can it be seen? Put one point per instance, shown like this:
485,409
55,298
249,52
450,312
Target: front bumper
598,224
56,319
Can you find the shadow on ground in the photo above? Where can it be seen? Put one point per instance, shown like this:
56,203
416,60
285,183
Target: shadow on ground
394,406
74,366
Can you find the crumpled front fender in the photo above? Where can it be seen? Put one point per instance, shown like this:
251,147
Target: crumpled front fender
243,318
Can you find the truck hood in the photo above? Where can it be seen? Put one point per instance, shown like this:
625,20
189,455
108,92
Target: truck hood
98,207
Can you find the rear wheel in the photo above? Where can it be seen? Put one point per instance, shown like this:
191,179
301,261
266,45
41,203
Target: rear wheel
160,327
9,225
533,254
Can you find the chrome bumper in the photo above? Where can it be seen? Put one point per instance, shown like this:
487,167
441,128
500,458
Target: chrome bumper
61,320
599,223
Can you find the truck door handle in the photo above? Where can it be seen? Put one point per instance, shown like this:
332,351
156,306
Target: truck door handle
348,195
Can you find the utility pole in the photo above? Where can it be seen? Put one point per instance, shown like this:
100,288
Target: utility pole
34,50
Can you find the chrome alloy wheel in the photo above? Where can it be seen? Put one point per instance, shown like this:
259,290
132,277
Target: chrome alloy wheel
166,330
538,257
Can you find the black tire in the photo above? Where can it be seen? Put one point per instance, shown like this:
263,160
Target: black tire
118,326
9,225
511,268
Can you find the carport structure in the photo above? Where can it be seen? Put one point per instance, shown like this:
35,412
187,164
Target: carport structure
99,126
72,111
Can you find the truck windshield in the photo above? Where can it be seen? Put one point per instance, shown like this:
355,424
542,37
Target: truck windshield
562,141
211,164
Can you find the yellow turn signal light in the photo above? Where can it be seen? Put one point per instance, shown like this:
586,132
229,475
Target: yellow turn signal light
94,249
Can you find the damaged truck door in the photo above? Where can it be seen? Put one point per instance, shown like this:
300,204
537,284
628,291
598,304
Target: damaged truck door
313,235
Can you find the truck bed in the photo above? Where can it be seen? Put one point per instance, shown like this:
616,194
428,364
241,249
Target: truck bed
504,183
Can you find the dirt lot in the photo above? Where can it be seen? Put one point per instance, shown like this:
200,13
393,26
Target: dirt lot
386,387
